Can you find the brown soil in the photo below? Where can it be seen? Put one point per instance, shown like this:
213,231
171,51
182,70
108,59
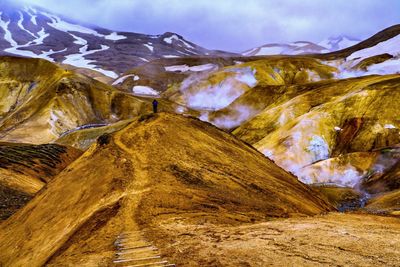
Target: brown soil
336,239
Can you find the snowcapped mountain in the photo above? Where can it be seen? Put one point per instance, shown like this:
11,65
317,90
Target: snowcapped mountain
338,42
379,54
295,48
35,32
303,47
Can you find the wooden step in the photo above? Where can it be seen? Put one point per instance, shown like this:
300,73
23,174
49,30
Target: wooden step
161,263
138,259
134,251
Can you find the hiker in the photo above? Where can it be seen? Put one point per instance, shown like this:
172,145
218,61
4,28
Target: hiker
155,106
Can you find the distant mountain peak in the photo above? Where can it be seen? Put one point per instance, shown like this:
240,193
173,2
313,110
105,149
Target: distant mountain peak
330,44
294,48
31,31
338,42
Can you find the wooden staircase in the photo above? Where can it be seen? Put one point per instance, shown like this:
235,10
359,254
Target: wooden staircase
134,251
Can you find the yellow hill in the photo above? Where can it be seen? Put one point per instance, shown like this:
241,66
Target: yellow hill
347,117
40,101
160,168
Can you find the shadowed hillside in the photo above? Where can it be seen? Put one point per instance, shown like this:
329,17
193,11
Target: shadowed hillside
25,169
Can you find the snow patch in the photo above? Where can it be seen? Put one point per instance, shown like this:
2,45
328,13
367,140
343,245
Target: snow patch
170,56
7,34
274,50
40,40
180,109
78,60
169,40
391,66
15,48
390,46
61,25
144,90
115,36
31,14
21,26
204,116
389,126
175,37
150,47
123,78
185,68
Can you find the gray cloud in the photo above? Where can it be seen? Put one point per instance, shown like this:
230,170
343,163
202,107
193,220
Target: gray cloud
233,24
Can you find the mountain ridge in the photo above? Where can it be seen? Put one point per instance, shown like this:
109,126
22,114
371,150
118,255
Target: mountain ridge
36,32
328,45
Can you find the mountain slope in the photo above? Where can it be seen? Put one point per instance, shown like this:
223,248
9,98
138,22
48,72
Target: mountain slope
28,168
377,38
25,169
40,101
269,97
336,132
387,203
230,95
142,177
378,54
34,32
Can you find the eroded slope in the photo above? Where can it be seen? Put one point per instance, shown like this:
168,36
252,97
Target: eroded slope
40,101
159,168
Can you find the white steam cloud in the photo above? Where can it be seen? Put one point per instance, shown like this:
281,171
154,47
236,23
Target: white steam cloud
242,113
199,94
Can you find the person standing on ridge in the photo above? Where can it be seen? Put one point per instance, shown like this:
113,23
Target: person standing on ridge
155,106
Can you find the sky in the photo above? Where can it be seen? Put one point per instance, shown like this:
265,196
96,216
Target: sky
235,25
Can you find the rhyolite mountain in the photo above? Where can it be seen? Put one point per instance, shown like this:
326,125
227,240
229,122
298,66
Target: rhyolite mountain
32,31
301,111
90,177
330,44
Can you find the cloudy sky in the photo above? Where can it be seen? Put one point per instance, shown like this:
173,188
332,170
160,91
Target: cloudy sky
235,25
